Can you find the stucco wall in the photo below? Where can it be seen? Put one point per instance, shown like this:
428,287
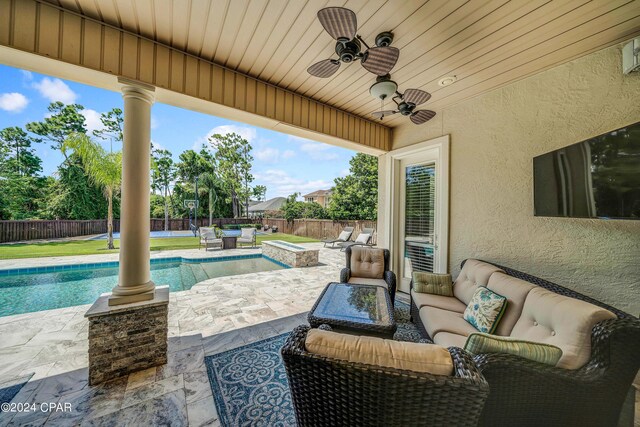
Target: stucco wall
493,140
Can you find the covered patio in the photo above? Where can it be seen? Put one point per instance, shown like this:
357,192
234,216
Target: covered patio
507,81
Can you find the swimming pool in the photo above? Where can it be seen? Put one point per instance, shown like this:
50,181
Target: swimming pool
46,288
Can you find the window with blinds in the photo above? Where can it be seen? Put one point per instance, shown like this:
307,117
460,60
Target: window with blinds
419,210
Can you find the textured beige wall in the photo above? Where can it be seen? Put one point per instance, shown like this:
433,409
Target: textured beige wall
493,140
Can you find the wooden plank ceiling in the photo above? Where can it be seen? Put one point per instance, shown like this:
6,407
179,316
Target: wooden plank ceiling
484,43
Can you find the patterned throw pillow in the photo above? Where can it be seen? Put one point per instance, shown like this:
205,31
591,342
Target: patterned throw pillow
485,310
480,343
432,283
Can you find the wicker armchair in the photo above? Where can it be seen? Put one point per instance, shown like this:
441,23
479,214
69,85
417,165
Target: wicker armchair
526,393
389,277
331,392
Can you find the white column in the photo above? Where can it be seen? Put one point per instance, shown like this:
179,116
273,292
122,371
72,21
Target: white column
135,269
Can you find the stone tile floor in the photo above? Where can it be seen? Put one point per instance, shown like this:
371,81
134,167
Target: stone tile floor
215,315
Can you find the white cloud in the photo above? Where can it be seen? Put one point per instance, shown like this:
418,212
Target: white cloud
318,151
287,154
13,102
246,132
273,155
55,90
154,122
280,184
26,75
92,120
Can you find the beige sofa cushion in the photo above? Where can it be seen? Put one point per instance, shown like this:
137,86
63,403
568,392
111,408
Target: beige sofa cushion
448,339
367,262
438,301
516,291
474,273
438,320
428,358
561,321
365,281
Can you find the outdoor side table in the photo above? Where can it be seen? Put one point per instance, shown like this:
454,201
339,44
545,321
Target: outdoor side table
362,309
229,242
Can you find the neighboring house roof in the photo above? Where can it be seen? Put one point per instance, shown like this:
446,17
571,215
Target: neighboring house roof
318,193
270,205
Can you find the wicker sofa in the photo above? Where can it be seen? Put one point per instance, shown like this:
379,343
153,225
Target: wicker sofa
333,392
587,388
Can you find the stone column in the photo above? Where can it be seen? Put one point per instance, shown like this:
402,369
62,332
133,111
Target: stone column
135,269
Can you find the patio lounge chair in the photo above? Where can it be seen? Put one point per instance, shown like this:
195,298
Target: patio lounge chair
344,236
363,239
369,266
248,236
208,238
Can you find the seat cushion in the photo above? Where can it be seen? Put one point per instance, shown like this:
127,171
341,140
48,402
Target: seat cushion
474,273
428,358
565,322
485,310
438,301
516,291
367,281
538,352
367,262
438,320
448,339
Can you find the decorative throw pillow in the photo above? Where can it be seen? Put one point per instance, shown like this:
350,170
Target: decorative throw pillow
485,310
344,236
479,343
363,238
432,283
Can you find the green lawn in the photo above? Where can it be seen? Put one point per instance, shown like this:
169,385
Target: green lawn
88,247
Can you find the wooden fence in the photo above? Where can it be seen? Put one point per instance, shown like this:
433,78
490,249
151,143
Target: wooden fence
15,231
319,228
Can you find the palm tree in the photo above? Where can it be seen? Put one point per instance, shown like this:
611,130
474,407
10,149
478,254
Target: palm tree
103,168
208,181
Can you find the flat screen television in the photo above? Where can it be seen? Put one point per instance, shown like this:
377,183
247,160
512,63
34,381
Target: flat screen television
596,178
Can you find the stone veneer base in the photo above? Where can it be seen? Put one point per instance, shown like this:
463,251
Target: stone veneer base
289,256
127,338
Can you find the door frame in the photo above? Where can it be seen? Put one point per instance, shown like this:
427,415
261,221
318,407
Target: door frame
438,150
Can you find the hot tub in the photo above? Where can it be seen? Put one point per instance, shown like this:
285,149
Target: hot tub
290,254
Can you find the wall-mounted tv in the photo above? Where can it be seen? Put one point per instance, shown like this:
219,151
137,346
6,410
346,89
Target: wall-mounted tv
596,178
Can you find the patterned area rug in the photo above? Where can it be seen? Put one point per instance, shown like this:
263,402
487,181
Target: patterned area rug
249,383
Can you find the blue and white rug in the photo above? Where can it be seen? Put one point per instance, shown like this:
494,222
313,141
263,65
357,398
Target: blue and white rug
249,383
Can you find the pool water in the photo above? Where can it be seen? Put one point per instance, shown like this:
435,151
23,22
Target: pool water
25,293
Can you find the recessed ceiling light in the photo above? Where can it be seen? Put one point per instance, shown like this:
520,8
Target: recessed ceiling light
446,81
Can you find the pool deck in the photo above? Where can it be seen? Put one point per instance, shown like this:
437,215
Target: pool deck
215,315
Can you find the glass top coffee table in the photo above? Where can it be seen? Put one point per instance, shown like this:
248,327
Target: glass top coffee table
365,309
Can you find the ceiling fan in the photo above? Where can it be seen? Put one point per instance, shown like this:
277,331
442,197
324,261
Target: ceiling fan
405,102
341,24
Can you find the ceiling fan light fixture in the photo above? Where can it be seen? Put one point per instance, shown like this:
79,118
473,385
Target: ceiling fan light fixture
383,89
446,81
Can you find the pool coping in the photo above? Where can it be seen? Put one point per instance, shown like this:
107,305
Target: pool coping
112,264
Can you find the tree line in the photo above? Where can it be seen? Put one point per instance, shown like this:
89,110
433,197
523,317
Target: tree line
86,184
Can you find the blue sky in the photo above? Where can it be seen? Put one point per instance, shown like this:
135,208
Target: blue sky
284,163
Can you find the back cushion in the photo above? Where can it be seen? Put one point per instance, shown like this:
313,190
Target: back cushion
515,290
248,232
565,322
474,273
367,262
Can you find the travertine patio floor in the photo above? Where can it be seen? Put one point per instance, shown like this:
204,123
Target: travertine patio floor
215,315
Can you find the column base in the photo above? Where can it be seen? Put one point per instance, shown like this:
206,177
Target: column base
130,294
128,337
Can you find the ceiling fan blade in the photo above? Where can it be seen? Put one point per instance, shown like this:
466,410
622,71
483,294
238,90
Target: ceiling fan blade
325,68
339,22
381,114
422,116
416,96
380,60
